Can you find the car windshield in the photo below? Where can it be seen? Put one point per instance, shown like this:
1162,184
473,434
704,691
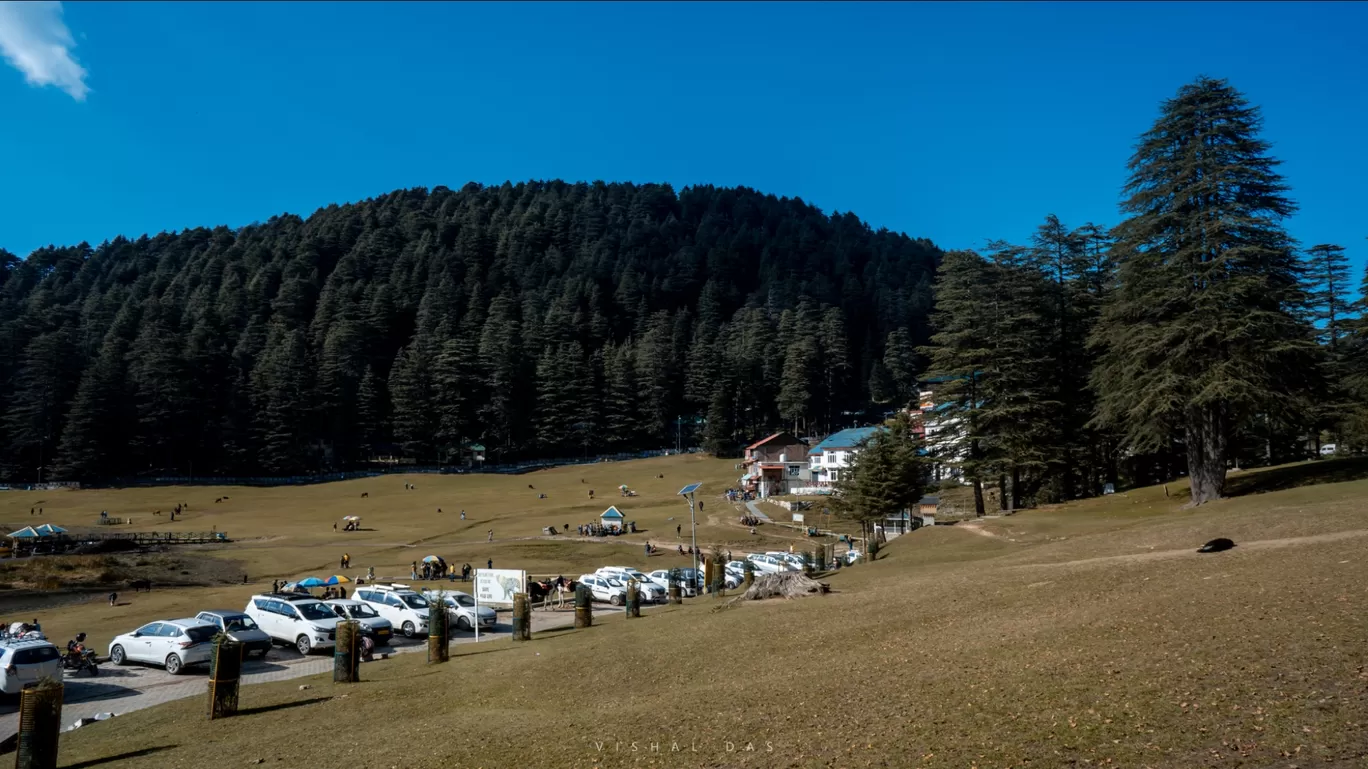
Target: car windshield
315,610
362,610
414,600
241,622
201,633
464,600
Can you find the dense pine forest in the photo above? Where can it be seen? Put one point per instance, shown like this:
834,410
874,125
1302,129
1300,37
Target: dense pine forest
535,319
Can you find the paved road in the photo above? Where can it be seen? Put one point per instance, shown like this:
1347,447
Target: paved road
755,510
122,690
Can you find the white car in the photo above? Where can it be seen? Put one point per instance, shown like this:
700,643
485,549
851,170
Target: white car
25,662
661,577
297,620
647,589
461,610
792,561
378,628
765,563
400,604
174,644
604,588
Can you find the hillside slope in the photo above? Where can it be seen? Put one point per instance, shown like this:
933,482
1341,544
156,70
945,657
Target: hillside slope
539,318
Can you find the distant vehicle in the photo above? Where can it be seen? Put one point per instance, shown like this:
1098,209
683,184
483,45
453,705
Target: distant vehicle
1327,449
240,627
24,663
174,644
604,588
295,619
461,610
647,589
766,564
661,577
792,561
400,604
377,628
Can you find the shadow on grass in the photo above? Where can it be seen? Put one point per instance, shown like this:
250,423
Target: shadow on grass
121,756
1294,476
282,706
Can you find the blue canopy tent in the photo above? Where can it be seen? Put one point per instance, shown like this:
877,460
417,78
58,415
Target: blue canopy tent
48,529
28,532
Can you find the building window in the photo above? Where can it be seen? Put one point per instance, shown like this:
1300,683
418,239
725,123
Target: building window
835,476
795,470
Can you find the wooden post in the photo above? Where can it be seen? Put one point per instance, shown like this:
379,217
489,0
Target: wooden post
439,631
720,574
225,676
40,725
676,592
708,575
584,607
750,574
818,562
522,617
633,602
347,653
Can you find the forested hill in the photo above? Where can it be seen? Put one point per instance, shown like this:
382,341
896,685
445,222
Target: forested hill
536,319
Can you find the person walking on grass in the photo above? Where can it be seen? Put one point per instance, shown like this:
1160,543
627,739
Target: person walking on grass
413,570
113,598
491,536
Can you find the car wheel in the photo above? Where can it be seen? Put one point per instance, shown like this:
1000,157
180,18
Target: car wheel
463,624
173,664
409,630
303,645
615,600
116,655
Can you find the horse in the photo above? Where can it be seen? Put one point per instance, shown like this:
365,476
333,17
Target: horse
140,584
365,494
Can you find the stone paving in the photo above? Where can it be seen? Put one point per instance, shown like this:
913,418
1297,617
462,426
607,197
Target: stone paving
122,690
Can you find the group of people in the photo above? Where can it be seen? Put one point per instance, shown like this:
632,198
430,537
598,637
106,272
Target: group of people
739,495
596,529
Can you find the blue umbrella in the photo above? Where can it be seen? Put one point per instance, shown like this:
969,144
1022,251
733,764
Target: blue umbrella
311,582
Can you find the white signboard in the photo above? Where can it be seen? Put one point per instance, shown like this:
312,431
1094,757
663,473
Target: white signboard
797,517
497,586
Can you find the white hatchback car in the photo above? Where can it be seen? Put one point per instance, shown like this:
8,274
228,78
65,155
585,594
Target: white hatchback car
661,577
604,588
400,604
297,620
174,644
24,663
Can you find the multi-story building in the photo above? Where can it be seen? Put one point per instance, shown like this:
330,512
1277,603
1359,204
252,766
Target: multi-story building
827,459
775,465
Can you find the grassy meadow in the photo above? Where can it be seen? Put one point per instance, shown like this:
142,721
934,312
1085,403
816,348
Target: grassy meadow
1088,634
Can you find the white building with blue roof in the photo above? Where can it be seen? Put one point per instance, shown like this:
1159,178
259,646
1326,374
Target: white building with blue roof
829,458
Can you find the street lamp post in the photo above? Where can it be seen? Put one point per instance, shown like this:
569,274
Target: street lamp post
688,493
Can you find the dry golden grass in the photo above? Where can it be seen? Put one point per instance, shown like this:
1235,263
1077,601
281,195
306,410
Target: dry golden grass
286,533
1087,635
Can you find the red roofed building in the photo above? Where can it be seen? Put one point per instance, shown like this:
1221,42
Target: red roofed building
774,464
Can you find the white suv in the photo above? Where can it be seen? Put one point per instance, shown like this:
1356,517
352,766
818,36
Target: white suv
604,588
661,577
766,564
647,589
301,621
24,663
400,604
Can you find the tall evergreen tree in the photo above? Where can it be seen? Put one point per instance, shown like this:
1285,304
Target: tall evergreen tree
1201,332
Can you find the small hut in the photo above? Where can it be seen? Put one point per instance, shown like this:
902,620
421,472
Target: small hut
612,519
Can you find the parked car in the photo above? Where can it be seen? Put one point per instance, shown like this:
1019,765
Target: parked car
461,610
377,628
662,577
240,627
648,591
25,662
766,564
791,561
400,604
604,588
173,643
297,620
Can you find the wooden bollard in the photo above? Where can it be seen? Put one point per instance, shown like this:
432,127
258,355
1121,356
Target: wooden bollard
439,631
749,574
225,677
708,576
584,607
347,653
522,617
676,593
40,725
633,602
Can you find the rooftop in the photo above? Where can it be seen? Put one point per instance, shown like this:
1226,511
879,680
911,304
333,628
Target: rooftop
846,439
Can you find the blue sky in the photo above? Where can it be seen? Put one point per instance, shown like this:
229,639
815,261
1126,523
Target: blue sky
959,122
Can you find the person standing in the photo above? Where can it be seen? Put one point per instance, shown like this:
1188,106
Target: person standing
491,564
491,536
678,529
113,598
413,570
463,515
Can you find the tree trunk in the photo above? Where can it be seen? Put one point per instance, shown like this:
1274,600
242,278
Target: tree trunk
1016,488
1206,452
978,497
1002,490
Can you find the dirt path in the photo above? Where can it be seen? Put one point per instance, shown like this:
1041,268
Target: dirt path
1159,555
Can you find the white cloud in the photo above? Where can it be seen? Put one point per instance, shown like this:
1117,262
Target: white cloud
35,40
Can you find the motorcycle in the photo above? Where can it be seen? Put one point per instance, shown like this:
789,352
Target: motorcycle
81,659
